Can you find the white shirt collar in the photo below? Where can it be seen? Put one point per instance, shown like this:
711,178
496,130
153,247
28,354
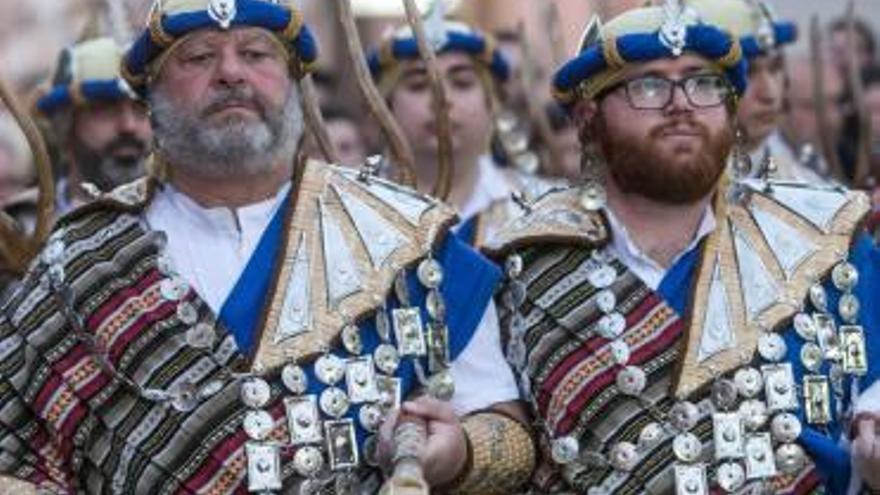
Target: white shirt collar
648,270
491,185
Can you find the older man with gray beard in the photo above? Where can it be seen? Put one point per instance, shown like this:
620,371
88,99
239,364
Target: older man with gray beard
249,321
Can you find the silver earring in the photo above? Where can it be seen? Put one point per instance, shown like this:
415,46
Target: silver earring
742,162
593,196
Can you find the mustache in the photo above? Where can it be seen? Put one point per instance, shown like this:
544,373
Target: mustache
680,125
125,140
234,96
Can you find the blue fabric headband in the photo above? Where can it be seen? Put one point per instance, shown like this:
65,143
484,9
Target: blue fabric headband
784,33
79,93
166,28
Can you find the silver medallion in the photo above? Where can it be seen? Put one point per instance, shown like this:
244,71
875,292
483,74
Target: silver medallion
341,445
684,415
441,386
785,428
513,266
54,252
330,369
430,273
517,325
855,357
438,347
201,336
624,456
760,458
303,419
731,476
621,352
255,393
754,414
827,337
565,450
308,461
187,313
390,392
811,357
386,358
173,289
334,402
184,396
650,435
370,417
258,424
435,305
687,447
360,377
772,347
818,297
849,308
602,277
383,325
606,301
611,326
211,389
409,332
845,276
691,479
263,467
790,458
351,340
749,382
631,380
724,394
817,400
294,378
779,387
515,295
729,433
805,326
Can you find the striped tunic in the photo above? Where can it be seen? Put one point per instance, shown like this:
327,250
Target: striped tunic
570,377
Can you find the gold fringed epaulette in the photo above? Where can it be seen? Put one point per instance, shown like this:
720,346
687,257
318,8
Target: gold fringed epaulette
347,238
555,218
773,241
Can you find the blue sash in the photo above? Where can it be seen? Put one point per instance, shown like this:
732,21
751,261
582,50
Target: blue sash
244,308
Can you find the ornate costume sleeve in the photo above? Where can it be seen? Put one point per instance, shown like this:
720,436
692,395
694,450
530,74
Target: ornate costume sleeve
501,456
28,451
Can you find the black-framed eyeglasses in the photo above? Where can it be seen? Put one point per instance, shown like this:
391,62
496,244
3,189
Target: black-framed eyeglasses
655,93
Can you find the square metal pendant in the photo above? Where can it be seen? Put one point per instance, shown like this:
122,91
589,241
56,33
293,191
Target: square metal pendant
817,399
360,377
342,446
390,391
779,387
855,357
303,419
728,430
438,347
690,479
263,467
827,336
760,459
409,331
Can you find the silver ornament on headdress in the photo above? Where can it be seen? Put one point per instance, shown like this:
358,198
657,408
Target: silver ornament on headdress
673,32
765,34
592,34
435,25
222,12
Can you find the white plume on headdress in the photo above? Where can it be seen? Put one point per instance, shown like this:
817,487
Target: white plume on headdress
435,25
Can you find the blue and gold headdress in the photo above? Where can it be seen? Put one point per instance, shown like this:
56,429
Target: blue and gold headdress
752,21
87,72
450,36
642,35
172,20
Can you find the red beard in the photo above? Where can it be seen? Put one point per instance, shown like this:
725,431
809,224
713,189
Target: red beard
664,171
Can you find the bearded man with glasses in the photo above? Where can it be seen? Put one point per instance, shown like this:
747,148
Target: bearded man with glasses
677,329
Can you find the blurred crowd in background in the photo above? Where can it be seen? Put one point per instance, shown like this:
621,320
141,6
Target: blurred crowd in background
32,34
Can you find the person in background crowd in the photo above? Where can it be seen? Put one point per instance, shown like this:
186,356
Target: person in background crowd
345,133
100,126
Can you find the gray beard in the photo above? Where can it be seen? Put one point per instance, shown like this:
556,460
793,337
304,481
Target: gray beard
231,148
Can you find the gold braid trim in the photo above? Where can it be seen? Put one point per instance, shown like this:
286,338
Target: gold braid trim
291,31
157,32
501,456
612,55
77,99
734,55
